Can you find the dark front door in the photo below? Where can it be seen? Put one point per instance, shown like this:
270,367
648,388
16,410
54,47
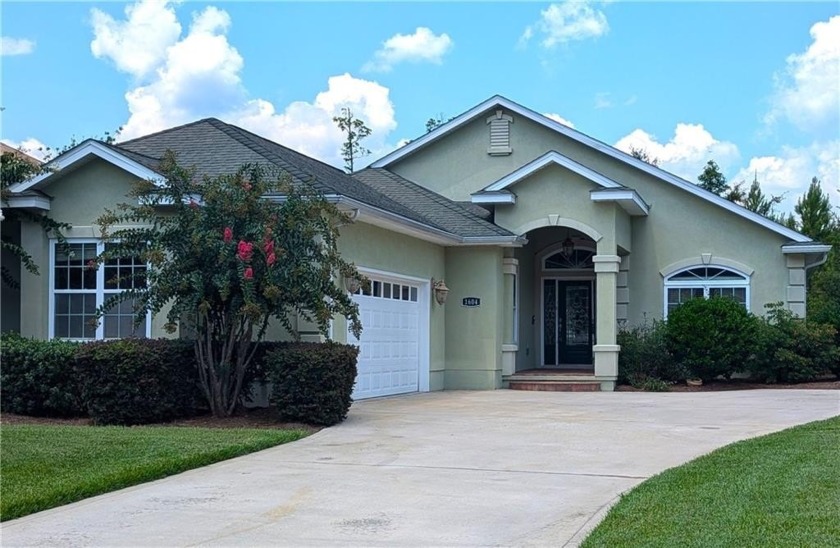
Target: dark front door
567,322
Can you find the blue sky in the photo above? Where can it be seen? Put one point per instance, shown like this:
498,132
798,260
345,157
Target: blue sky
754,85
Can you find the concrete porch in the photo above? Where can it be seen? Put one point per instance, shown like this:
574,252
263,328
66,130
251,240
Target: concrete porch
576,379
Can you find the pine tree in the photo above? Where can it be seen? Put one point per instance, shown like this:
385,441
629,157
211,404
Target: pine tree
356,130
817,221
712,179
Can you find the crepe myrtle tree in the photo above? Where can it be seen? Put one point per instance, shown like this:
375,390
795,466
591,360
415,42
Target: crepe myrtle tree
228,254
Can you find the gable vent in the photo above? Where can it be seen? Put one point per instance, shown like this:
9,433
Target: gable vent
499,134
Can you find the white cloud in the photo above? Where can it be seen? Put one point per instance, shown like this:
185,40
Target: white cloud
199,75
16,46
602,100
807,91
558,118
686,152
137,45
30,146
308,127
567,22
789,173
422,46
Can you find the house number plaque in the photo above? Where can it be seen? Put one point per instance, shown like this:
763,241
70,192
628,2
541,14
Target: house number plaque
471,302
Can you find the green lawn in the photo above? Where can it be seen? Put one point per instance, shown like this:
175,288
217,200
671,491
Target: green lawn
778,490
46,466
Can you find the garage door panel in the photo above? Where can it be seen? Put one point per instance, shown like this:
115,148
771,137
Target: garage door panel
389,357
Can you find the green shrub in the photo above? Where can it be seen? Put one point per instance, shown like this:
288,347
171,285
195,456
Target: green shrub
711,337
644,355
313,382
793,350
138,381
37,378
655,385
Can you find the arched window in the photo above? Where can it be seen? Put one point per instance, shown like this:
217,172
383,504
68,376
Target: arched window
579,259
706,281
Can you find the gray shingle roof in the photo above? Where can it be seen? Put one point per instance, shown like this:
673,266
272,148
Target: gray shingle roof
216,148
443,212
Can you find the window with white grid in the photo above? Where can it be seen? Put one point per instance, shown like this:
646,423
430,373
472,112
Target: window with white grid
706,282
78,290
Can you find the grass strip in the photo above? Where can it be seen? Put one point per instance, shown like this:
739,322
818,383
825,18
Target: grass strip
46,466
782,489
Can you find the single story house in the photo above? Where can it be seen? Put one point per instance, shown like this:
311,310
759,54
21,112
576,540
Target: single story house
548,241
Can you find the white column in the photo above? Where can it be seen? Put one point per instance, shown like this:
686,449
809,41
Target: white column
606,349
510,342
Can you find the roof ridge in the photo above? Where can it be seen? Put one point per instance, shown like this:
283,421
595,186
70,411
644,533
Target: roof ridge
302,156
168,130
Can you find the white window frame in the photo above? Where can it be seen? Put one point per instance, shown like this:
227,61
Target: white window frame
706,284
101,293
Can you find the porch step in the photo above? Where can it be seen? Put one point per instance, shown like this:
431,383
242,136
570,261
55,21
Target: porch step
554,380
554,386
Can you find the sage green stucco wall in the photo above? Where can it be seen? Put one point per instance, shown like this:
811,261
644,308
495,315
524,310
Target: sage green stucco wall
369,246
681,226
474,335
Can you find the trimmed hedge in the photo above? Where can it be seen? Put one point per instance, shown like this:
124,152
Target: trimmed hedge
138,381
712,337
37,377
313,382
790,349
644,356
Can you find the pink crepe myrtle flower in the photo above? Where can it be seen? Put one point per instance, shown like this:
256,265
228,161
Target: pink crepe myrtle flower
228,235
270,260
268,246
249,273
244,251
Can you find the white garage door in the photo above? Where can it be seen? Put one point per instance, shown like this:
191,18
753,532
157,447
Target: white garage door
389,356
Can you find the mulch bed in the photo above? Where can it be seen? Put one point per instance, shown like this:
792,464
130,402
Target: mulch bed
249,418
741,384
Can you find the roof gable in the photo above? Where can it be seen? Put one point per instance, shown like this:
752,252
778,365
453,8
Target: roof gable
82,153
660,174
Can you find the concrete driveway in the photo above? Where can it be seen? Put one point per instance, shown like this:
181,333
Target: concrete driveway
451,468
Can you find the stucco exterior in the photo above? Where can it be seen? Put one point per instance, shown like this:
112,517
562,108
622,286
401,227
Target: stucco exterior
627,226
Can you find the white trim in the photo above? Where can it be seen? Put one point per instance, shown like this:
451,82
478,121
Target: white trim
718,262
706,285
493,198
100,291
629,200
82,151
498,100
806,249
551,158
563,222
34,202
424,302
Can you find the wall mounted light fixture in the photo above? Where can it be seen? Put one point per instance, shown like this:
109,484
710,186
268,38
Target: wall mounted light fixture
441,292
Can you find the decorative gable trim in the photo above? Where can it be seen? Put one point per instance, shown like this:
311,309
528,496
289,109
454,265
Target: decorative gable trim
499,134
82,152
499,101
548,159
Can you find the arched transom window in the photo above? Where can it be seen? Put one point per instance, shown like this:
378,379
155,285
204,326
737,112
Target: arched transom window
706,281
578,259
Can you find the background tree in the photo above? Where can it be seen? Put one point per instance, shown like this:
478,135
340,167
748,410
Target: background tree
755,200
436,121
355,131
228,260
816,219
712,179
643,155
